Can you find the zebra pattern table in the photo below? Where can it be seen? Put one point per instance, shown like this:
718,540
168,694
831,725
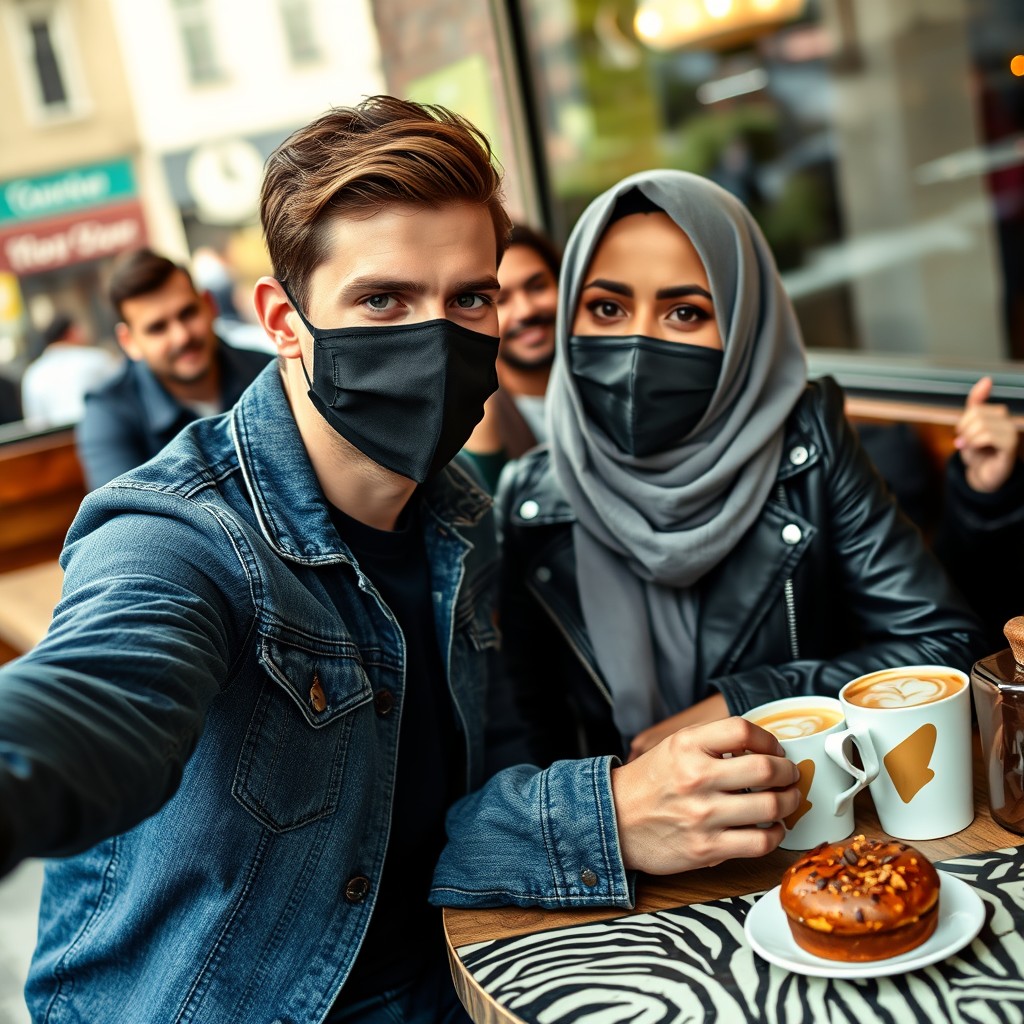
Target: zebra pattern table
692,965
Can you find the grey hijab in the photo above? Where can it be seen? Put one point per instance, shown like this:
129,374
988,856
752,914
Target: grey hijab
649,528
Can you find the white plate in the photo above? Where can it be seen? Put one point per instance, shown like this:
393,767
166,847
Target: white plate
961,915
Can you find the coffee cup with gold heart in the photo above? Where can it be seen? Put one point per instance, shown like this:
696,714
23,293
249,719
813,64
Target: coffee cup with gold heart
911,726
802,725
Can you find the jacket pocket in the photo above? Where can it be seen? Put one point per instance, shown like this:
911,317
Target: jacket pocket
293,757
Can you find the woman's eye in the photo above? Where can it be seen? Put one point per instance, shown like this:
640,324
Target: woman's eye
380,302
472,300
690,314
604,308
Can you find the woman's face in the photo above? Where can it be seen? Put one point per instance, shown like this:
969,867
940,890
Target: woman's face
647,279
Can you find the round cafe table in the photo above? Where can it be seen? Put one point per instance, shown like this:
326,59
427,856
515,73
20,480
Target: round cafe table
503,979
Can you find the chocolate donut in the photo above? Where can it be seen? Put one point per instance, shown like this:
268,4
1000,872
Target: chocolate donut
863,899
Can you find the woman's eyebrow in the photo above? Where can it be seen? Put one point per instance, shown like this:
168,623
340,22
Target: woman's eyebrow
610,286
681,291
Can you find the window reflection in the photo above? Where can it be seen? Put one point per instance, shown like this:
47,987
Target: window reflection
879,143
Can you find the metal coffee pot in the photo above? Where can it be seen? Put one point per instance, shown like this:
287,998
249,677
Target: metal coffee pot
998,685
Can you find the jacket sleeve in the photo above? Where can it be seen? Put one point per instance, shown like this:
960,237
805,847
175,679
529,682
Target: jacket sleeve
980,541
108,443
536,838
897,603
99,719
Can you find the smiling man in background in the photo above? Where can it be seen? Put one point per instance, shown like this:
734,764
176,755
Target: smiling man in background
177,370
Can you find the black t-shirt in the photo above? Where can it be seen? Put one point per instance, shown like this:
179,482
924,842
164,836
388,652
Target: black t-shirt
404,926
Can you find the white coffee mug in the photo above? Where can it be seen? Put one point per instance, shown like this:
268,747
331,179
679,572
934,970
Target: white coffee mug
912,728
802,725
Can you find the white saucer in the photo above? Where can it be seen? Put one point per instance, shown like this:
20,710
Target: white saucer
961,915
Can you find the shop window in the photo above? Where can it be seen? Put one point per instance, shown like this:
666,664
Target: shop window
197,40
45,58
879,144
299,33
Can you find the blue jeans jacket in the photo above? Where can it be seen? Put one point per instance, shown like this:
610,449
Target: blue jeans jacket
197,741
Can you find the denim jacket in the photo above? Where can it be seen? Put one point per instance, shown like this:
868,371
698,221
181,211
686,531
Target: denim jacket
197,741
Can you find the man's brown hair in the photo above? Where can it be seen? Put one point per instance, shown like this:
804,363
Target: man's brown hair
357,160
140,272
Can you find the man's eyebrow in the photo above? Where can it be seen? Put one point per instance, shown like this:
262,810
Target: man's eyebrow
681,291
610,286
483,284
380,285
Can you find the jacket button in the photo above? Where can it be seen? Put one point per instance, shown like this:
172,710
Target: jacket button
588,877
799,455
356,889
529,509
383,702
317,697
792,534
543,574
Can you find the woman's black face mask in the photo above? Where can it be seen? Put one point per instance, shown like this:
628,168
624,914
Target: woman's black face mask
407,396
644,393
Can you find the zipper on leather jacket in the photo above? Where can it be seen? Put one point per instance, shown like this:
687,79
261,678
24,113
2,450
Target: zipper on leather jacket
598,681
794,643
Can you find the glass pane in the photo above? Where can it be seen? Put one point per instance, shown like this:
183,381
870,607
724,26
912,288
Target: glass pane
51,82
298,30
879,144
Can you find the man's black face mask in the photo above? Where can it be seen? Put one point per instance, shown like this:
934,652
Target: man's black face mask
407,395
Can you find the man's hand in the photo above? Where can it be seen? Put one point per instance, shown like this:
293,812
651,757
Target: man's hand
711,709
685,805
987,440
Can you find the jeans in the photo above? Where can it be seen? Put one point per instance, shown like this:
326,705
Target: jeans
429,999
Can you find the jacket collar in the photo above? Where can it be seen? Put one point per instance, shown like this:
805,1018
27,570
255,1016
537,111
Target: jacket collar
286,495
540,501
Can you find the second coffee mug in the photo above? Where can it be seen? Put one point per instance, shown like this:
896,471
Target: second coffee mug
802,725
912,728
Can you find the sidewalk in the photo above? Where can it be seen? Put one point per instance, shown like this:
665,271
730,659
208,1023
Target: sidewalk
19,906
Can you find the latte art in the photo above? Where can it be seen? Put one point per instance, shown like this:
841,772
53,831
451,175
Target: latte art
896,689
793,723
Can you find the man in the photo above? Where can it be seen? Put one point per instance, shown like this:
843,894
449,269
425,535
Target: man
267,679
514,417
980,539
54,385
177,369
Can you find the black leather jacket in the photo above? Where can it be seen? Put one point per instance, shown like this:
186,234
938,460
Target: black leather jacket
830,582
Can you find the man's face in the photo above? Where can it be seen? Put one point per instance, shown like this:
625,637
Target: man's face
526,309
171,330
408,264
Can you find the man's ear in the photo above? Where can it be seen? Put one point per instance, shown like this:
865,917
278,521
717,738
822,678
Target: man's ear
126,340
277,317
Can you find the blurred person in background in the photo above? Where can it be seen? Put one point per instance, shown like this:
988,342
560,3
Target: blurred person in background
981,533
177,370
10,400
54,385
513,420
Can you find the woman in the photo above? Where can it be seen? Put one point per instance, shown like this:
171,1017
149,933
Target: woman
704,533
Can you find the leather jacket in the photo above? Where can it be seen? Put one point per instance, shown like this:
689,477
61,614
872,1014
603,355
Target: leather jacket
830,582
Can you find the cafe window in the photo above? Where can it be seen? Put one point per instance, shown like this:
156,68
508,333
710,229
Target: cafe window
45,58
299,32
879,144
197,40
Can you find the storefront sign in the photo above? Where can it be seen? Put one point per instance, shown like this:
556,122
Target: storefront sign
30,199
62,241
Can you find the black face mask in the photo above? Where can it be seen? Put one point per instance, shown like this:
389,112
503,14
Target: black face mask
407,396
644,393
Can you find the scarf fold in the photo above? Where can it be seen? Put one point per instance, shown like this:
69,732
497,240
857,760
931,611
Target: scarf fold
649,528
